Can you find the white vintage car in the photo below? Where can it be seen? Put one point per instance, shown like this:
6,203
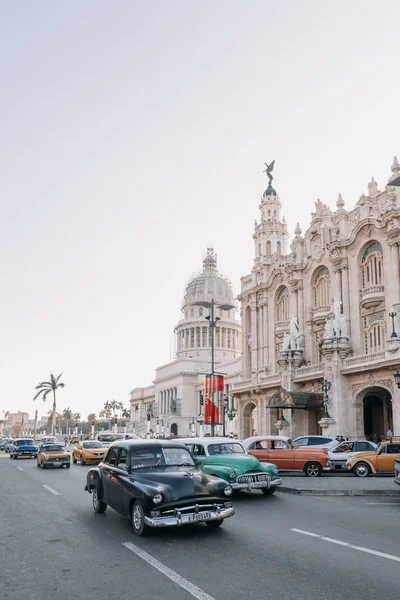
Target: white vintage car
345,450
397,471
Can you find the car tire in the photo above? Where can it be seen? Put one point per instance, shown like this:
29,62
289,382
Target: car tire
38,464
268,491
10,456
137,519
214,524
98,505
312,469
14,457
83,462
44,466
68,466
74,459
361,469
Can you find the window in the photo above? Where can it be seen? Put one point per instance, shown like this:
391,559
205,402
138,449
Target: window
268,247
260,445
393,449
192,337
322,288
283,305
278,248
198,450
318,441
192,312
259,249
364,447
198,337
372,266
122,459
374,333
345,447
112,457
200,312
279,445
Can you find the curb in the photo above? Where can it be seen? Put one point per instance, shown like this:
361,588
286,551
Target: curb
305,492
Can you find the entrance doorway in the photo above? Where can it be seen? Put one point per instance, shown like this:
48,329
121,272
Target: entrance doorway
378,414
174,429
249,420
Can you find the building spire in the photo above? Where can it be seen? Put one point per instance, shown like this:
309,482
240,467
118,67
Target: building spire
340,201
210,261
270,191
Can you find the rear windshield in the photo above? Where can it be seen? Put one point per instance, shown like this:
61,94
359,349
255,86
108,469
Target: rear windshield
53,448
93,445
110,437
24,443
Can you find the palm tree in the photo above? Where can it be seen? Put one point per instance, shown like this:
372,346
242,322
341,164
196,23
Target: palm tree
67,416
45,387
91,417
126,414
106,412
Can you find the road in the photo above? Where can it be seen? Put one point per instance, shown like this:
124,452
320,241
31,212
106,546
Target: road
52,544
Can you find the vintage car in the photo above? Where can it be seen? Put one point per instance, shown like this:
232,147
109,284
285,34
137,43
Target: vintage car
228,459
157,484
380,461
286,456
345,450
397,471
89,451
316,441
24,447
53,455
108,437
7,444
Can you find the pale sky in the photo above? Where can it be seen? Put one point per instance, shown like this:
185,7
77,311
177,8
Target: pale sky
133,135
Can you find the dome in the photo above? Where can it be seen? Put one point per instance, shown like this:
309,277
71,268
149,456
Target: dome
208,285
270,191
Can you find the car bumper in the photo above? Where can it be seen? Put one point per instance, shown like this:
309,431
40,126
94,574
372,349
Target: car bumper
57,464
397,480
34,454
345,468
179,519
257,485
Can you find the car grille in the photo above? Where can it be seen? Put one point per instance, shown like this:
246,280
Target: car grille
254,478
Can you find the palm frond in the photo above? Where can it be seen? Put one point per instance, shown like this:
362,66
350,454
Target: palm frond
58,378
60,385
38,394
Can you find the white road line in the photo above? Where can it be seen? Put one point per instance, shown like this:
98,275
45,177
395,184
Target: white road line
52,490
19,469
181,581
395,503
354,547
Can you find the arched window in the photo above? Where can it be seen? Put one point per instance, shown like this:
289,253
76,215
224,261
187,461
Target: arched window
322,287
372,266
278,248
259,249
374,333
282,305
268,248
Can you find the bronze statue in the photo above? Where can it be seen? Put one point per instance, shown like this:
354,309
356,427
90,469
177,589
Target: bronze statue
269,170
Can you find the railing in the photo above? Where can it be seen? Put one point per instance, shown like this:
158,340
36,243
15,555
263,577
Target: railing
321,309
282,325
242,383
370,291
363,359
309,369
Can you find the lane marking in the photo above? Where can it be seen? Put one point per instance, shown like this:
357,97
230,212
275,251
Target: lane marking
52,490
353,546
19,469
395,503
181,581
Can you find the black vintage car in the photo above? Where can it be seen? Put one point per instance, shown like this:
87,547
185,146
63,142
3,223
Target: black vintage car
157,484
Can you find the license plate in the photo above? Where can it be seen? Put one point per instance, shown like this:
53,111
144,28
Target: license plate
203,516
258,484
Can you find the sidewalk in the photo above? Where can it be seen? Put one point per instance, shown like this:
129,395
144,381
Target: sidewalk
338,484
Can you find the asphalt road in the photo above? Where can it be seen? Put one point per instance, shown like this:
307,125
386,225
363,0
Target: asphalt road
52,544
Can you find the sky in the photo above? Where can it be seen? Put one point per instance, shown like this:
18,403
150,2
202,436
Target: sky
133,135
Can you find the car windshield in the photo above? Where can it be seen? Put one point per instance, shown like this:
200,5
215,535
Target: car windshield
109,437
53,448
226,448
24,443
142,458
93,445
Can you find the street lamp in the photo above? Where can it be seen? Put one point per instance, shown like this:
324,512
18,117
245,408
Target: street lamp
397,378
229,412
213,321
326,386
392,316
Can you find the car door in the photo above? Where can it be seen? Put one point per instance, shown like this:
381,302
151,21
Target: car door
282,455
108,478
199,454
119,479
260,450
386,458
342,452
77,451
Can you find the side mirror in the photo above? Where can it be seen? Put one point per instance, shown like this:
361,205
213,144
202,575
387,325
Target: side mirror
197,461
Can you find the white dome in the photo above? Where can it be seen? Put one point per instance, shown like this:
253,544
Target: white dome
209,285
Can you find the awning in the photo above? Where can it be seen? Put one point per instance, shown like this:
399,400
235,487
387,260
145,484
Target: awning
305,400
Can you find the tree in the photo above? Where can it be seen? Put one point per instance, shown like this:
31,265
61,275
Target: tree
106,412
91,417
126,413
67,416
76,416
45,388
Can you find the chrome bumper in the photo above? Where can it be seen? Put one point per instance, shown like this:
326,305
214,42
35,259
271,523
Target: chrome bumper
257,485
396,480
179,519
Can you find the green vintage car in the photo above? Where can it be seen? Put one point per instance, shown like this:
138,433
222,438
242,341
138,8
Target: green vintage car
227,458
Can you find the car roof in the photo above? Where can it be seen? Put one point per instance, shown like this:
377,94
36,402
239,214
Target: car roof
320,437
209,440
140,443
22,439
282,438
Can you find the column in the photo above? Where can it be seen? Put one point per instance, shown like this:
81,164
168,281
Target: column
260,337
300,308
265,330
393,288
345,295
254,350
337,284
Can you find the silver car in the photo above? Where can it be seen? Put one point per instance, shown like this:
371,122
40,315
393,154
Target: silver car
316,441
345,450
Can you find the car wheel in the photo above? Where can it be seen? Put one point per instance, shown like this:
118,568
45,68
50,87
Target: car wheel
268,491
137,519
10,456
44,466
68,466
98,505
361,469
38,464
14,456
214,524
312,469
83,462
74,459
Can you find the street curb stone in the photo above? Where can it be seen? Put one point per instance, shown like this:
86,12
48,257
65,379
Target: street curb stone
308,492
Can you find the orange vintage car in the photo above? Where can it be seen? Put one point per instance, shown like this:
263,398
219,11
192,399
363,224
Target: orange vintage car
89,451
281,451
380,461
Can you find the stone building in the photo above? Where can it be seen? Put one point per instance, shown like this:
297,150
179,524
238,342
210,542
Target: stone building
173,404
323,310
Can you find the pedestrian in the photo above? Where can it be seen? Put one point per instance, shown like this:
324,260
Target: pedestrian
389,435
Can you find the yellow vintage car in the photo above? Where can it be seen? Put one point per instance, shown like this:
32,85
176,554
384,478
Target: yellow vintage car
382,460
89,451
53,455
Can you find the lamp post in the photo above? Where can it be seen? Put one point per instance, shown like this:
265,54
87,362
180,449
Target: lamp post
212,319
392,316
326,386
397,378
230,413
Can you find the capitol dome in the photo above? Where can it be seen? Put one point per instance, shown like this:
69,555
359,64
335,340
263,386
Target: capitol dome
208,285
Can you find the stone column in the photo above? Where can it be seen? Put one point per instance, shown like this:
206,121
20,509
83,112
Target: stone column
337,284
260,337
393,290
346,295
254,349
266,328
300,308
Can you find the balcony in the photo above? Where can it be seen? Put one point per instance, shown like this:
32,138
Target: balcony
364,359
308,371
282,325
321,313
372,296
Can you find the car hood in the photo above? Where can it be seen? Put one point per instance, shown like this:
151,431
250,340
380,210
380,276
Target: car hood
358,455
183,483
26,447
240,462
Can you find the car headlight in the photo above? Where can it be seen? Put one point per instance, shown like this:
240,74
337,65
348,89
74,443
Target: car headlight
232,474
275,470
157,498
46,456
228,490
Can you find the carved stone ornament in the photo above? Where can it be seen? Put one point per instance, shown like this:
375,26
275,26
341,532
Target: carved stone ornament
385,383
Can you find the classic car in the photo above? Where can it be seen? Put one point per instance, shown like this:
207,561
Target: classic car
228,459
25,447
286,456
316,441
53,455
397,471
380,461
88,452
157,484
108,437
345,450
8,443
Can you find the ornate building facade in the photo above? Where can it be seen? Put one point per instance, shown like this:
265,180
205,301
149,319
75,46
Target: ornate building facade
173,404
323,311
